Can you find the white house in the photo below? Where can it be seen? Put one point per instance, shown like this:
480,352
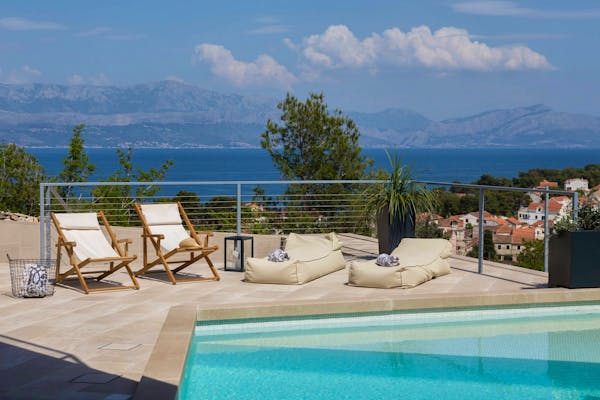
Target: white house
575,184
534,212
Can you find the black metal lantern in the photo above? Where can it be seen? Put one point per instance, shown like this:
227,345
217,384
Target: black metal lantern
236,250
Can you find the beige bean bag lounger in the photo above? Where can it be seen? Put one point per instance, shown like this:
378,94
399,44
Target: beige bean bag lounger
311,257
420,260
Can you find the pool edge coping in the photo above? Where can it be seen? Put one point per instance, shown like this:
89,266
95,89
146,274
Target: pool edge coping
166,363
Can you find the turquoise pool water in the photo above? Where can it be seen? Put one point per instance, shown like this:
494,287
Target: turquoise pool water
547,353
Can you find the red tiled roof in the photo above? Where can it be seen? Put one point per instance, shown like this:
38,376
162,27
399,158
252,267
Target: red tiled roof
545,183
521,234
504,230
500,221
454,219
555,204
513,220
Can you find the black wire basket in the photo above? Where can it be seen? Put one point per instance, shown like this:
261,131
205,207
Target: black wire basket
32,277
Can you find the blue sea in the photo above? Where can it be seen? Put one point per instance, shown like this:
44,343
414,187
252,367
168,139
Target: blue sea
442,165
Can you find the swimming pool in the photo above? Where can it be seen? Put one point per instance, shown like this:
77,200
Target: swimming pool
539,353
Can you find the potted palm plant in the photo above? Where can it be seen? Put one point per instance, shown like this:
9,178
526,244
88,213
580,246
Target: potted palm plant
396,202
574,251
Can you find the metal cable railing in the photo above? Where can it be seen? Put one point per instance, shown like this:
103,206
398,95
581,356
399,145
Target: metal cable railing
243,209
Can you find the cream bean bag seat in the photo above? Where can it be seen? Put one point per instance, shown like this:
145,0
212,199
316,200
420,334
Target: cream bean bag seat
310,258
420,260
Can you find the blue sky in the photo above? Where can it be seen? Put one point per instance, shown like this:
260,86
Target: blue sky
441,58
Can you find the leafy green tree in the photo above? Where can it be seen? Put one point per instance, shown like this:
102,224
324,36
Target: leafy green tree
452,203
77,166
221,213
312,143
427,229
532,255
20,177
120,198
489,251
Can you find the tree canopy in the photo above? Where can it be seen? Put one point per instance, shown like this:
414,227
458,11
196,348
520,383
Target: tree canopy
532,255
77,166
313,144
121,197
489,251
20,177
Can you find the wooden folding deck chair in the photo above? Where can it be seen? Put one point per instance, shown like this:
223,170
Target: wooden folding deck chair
82,238
163,228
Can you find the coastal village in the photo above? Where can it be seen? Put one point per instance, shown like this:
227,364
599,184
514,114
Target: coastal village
510,233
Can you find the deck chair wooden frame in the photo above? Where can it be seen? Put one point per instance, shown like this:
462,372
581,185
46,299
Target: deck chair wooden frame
202,251
76,268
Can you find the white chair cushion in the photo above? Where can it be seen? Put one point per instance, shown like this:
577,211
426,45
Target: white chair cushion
173,234
90,243
161,214
78,220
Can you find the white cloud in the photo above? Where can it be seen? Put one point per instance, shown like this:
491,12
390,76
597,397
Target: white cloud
512,9
447,49
95,80
25,74
23,24
262,71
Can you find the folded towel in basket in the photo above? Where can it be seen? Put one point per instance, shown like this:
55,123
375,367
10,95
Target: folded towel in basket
35,280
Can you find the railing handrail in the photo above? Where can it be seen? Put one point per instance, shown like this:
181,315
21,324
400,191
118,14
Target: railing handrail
305,182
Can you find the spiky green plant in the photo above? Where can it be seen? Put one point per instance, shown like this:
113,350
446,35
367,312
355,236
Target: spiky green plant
399,193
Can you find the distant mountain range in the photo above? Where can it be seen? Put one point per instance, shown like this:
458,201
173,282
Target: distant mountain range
174,114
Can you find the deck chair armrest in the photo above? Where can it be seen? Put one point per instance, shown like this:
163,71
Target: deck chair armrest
127,242
206,236
65,243
153,235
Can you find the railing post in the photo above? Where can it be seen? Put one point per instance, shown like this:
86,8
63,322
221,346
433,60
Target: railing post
575,207
546,228
239,209
481,231
47,227
42,222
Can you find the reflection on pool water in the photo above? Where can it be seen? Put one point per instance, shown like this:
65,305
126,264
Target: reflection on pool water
541,353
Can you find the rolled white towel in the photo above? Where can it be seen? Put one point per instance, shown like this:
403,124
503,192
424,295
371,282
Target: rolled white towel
278,255
386,260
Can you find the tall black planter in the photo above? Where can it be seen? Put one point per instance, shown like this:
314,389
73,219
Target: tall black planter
389,234
574,260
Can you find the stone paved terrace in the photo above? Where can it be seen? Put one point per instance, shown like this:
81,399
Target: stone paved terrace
76,346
